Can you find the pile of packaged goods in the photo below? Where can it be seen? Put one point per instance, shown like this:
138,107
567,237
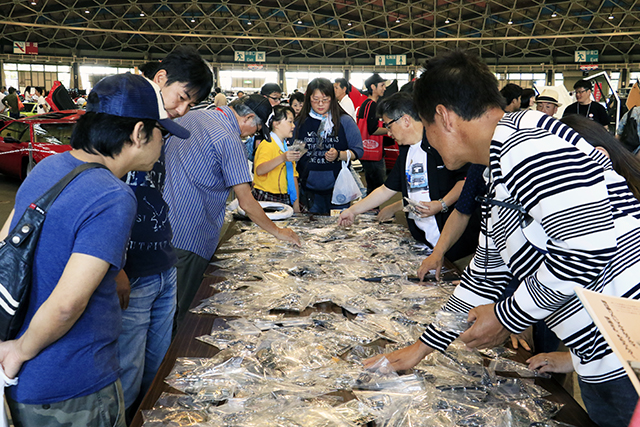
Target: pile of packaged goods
285,362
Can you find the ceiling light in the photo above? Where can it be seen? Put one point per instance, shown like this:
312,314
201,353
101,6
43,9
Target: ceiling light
397,20
34,3
447,21
349,24
553,15
249,23
141,14
510,22
299,21
193,20
86,11
610,16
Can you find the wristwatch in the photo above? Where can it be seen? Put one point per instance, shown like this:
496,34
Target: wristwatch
445,208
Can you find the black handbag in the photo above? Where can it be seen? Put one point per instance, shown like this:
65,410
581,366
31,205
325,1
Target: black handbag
16,256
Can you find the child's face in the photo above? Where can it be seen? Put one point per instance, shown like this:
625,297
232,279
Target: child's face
284,128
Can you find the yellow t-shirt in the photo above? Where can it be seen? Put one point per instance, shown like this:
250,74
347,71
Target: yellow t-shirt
275,181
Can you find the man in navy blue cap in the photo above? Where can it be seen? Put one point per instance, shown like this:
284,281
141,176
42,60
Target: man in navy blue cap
201,171
66,353
147,283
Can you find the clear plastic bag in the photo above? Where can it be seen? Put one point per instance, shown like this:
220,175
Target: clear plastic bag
452,322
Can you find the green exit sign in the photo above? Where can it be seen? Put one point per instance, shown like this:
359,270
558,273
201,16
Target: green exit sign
586,56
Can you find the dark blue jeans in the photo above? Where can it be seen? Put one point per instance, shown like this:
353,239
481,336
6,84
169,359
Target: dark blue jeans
321,203
610,404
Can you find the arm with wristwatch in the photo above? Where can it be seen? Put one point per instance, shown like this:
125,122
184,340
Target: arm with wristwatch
427,209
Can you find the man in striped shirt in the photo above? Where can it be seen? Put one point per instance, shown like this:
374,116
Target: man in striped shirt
201,171
541,175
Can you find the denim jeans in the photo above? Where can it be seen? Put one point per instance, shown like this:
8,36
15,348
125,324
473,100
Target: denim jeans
609,404
146,331
321,203
104,408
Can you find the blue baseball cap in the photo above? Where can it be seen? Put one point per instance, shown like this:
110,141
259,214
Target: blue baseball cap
130,95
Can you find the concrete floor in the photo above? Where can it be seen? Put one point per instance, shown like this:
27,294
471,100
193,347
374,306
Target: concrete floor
8,188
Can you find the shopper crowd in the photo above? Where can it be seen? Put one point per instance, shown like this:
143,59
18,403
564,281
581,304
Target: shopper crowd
125,247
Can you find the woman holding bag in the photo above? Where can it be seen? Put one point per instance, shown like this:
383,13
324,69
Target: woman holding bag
328,133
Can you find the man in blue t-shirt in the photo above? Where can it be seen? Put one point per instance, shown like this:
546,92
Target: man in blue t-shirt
66,352
147,284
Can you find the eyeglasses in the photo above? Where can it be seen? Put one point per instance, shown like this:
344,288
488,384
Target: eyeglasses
275,98
165,133
388,125
320,100
580,92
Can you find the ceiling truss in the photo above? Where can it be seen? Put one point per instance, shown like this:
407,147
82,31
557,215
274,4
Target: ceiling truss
328,31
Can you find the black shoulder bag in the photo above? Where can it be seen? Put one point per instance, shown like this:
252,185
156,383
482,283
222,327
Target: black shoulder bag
16,257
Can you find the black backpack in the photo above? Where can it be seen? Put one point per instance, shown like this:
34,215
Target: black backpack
16,257
629,136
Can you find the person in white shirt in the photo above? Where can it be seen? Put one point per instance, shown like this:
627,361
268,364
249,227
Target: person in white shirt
342,88
43,106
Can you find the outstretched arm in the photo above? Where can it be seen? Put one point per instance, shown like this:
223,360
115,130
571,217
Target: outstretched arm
379,196
255,212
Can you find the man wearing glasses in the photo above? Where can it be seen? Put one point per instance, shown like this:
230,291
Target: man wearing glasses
585,106
429,189
273,92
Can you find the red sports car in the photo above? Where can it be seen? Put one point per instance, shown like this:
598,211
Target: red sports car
26,141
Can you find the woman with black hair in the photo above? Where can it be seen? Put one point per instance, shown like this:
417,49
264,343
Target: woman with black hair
623,161
296,101
330,135
276,178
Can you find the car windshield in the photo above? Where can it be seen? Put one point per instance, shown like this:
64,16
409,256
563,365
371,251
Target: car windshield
29,107
16,130
53,133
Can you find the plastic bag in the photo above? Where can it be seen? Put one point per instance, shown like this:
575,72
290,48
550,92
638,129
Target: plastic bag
345,189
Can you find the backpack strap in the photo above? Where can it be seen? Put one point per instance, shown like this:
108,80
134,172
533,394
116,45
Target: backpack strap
46,200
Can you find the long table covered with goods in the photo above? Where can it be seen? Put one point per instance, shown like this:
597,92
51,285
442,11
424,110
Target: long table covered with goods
277,335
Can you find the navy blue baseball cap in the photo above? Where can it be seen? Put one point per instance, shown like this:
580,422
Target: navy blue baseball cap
130,95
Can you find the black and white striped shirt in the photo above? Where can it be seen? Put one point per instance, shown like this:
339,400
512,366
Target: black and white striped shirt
592,224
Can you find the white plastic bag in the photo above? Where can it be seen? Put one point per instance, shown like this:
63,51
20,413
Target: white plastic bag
346,189
6,382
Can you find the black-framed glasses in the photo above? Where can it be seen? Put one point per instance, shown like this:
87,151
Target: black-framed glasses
165,133
387,125
275,98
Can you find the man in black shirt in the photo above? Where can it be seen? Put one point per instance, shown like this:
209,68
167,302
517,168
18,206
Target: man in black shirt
585,106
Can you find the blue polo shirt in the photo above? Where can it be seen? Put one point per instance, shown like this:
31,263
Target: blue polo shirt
200,173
